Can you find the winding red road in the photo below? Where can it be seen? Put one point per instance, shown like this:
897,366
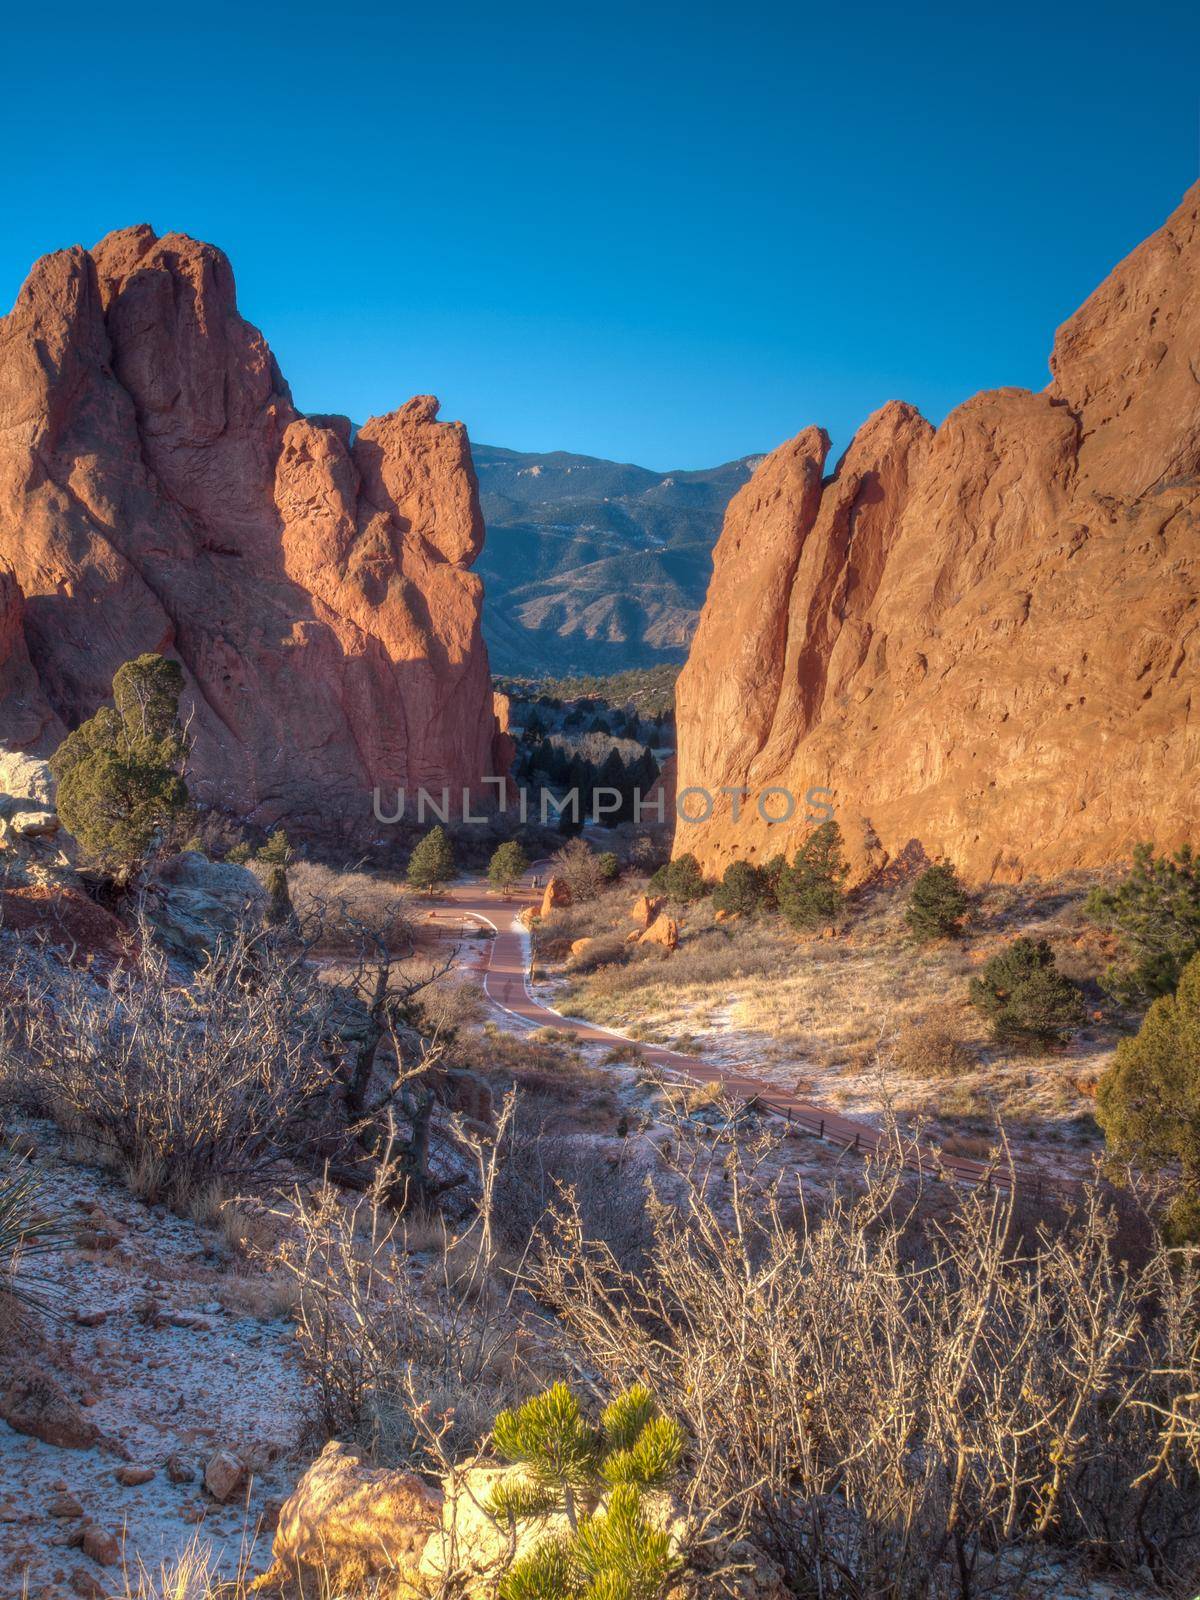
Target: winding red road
503,965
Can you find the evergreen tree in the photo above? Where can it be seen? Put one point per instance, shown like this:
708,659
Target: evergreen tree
1156,910
1025,996
279,896
740,890
277,851
612,775
938,903
810,891
571,1464
609,865
684,880
121,789
507,866
1148,1101
431,862
769,875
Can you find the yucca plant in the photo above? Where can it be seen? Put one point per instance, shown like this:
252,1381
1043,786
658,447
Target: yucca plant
595,1475
24,1233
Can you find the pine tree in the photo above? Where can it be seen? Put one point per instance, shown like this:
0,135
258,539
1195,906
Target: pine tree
595,1476
277,851
810,891
938,903
121,789
1148,1101
431,862
1156,910
740,890
1025,997
507,866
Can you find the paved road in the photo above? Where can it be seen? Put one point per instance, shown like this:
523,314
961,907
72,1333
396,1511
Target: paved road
503,965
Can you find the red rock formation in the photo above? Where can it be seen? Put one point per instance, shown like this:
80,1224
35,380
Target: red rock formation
160,491
983,639
26,720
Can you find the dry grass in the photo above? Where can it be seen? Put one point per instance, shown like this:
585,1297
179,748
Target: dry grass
850,1019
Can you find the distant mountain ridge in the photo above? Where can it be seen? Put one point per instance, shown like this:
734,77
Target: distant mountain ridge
592,565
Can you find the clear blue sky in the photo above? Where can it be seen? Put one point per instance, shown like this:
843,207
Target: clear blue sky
672,234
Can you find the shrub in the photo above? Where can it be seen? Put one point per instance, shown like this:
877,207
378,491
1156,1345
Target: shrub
24,1231
571,1465
937,904
740,890
120,781
684,880
810,891
1025,997
1156,910
192,1089
871,1389
1148,1101
932,1047
431,862
579,867
610,865
507,866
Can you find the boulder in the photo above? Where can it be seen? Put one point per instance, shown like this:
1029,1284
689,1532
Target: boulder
193,902
160,491
664,931
581,948
349,1523
557,894
980,637
645,908
26,777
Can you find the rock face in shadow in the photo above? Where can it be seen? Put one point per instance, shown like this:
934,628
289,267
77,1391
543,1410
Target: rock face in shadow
983,638
160,491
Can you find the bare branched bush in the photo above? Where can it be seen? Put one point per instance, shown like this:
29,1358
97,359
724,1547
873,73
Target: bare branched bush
340,904
385,1335
539,1166
895,1398
189,1086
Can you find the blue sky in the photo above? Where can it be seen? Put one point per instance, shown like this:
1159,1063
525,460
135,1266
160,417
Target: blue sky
672,234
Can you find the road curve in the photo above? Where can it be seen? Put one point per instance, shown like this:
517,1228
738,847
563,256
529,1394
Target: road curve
505,976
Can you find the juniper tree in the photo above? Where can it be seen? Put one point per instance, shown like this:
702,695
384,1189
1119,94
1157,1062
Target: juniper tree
938,903
431,862
609,864
594,1476
1156,911
121,788
810,891
684,880
740,890
1025,996
1148,1101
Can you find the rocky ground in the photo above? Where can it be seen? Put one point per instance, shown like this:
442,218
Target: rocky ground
178,1352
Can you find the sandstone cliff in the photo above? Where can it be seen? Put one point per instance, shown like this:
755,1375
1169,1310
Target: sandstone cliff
984,638
160,491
